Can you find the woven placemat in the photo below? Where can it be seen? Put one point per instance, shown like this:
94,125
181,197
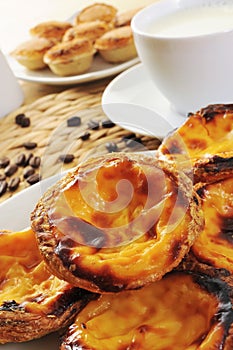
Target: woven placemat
51,144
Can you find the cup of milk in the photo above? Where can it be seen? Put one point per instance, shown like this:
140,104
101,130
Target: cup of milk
187,48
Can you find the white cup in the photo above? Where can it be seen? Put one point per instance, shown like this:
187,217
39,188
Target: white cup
190,70
11,93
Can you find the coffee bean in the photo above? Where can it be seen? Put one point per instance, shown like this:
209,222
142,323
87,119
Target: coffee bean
85,136
33,179
111,146
2,177
66,158
10,169
3,187
28,157
34,162
19,118
129,136
107,124
14,183
93,125
28,172
21,160
4,162
74,121
30,145
25,122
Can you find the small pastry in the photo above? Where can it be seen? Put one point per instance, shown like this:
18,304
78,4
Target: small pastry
33,302
88,30
70,57
123,18
51,30
30,53
182,311
117,45
98,11
117,222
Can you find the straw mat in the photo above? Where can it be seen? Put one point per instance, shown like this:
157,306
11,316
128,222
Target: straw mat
49,129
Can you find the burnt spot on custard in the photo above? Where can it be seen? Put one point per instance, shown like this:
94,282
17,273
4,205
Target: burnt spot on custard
226,229
211,111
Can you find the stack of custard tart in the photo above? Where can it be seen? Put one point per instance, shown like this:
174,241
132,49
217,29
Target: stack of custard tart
68,48
131,250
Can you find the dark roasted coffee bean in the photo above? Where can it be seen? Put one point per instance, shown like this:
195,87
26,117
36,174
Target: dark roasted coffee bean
3,187
74,121
129,136
4,162
111,147
21,160
2,177
27,159
107,124
85,136
66,158
14,183
25,122
10,169
93,125
19,118
34,162
33,179
30,145
28,172
133,142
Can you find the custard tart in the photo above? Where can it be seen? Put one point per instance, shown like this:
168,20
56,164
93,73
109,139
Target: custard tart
32,301
183,311
88,30
31,53
206,141
97,11
117,45
50,30
212,251
70,57
117,222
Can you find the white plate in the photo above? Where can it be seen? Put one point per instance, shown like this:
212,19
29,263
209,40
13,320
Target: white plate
132,101
99,69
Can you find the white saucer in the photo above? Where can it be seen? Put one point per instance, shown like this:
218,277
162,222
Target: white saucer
132,101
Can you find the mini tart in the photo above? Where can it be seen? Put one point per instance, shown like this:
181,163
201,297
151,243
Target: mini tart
97,11
212,251
204,135
70,58
117,45
123,18
51,30
30,53
32,301
182,311
117,222
88,30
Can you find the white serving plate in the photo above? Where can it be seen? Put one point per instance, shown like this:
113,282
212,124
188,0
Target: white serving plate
99,69
133,101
